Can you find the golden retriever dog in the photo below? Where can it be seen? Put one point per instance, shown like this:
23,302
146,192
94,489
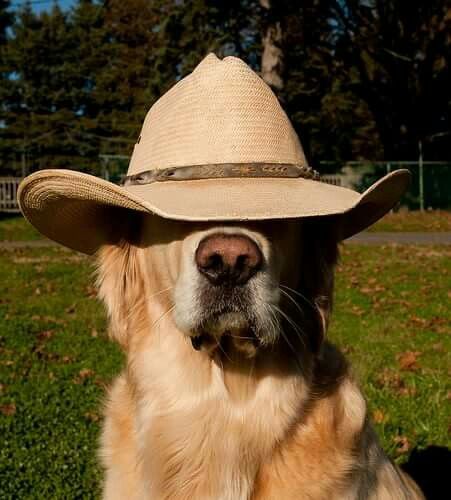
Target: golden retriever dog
230,389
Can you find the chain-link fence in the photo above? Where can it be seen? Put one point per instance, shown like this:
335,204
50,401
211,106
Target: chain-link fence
430,187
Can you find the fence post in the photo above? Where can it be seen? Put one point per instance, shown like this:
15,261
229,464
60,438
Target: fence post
420,174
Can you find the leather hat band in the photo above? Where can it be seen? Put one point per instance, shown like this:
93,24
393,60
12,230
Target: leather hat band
222,170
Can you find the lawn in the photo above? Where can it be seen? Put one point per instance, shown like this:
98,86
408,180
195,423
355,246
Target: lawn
16,228
391,318
428,221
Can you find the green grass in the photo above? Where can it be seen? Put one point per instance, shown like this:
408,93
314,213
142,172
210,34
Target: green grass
54,364
55,359
429,221
16,228
393,319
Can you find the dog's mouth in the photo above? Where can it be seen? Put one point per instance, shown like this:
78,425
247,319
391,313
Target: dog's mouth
226,332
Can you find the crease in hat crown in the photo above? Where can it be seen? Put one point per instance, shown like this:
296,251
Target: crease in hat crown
222,112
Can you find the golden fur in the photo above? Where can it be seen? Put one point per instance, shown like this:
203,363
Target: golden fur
287,422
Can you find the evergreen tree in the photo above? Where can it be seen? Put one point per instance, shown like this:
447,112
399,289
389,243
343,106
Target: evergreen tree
6,20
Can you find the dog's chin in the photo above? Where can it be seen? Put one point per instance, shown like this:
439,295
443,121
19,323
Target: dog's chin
227,333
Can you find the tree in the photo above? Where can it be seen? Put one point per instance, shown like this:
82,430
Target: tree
396,57
6,20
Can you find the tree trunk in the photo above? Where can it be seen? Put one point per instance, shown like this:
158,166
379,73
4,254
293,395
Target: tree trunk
272,63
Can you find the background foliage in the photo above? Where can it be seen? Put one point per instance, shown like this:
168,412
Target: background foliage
359,78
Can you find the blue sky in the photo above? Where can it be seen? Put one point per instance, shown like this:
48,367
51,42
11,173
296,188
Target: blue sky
40,5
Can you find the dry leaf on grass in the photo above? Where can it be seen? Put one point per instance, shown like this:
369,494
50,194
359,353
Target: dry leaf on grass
8,410
402,444
357,311
91,291
86,372
90,415
408,361
70,309
83,374
369,290
45,335
379,417
392,380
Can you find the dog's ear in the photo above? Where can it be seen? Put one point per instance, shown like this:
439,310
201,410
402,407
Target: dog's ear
319,257
119,280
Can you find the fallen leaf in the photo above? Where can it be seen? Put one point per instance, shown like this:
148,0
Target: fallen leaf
417,321
370,290
83,375
402,444
407,391
408,360
45,335
86,372
438,347
70,309
91,291
379,417
8,410
94,417
357,311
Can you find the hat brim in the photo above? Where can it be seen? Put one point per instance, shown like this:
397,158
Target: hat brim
74,208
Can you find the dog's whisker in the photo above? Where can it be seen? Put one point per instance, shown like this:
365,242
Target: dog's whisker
296,328
162,316
285,337
274,321
292,300
240,337
223,351
160,292
301,295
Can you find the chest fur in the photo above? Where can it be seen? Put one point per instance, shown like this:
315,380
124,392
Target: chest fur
210,442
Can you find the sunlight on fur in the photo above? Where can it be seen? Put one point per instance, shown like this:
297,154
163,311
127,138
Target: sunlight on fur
233,392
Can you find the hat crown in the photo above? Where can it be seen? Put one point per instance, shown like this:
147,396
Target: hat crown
222,112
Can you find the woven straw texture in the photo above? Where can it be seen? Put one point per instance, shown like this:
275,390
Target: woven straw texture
223,112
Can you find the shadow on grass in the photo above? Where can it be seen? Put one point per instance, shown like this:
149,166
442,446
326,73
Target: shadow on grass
10,215
431,469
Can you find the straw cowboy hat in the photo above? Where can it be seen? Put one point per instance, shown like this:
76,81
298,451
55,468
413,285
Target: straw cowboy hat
216,147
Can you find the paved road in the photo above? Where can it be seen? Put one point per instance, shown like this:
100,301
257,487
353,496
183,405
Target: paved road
365,238
368,238
11,245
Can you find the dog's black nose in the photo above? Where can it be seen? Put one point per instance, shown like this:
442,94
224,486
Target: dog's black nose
228,258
